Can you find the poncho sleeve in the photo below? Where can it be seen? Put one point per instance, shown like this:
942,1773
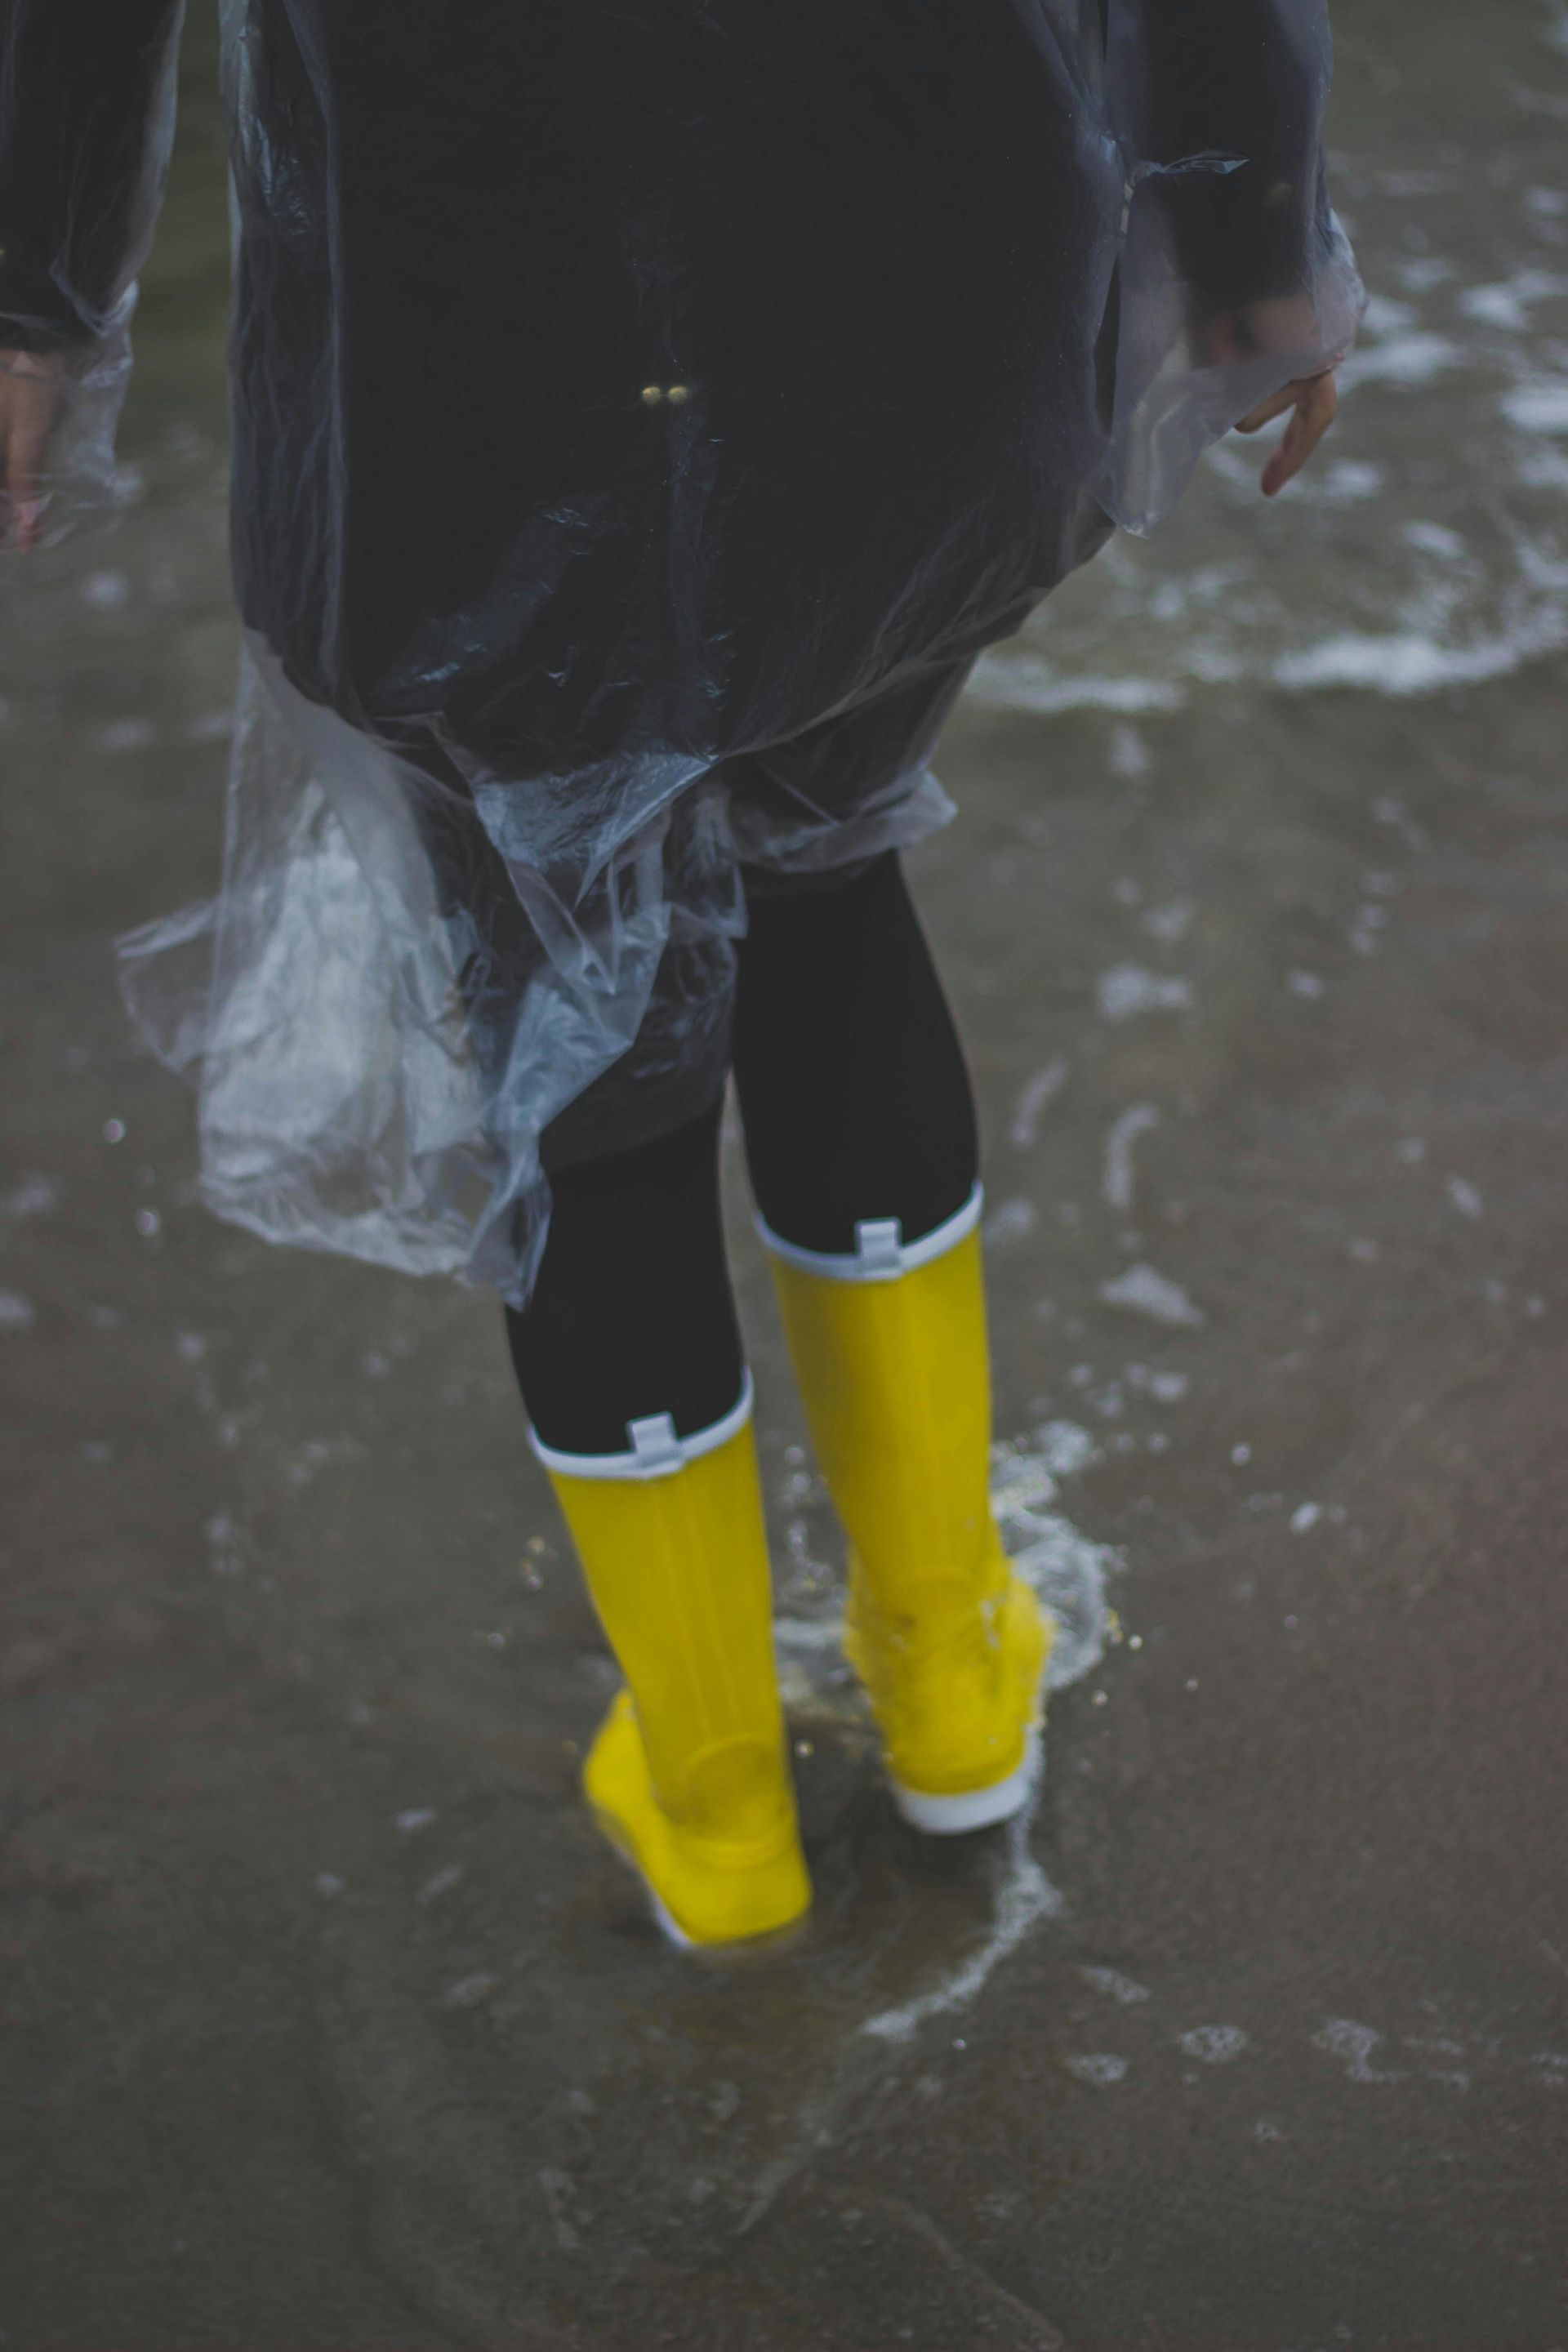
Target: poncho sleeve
87,110
1216,109
1229,125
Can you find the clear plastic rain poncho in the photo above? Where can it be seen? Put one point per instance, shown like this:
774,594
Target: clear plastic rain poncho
619,392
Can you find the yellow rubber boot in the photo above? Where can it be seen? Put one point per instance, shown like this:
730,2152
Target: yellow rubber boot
687,1776
890,1351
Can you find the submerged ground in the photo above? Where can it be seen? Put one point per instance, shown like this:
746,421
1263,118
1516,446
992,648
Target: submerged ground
329,2026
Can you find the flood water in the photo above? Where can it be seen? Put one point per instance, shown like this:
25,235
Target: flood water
329,2025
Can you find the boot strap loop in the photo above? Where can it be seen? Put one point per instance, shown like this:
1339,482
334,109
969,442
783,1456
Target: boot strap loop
881,1253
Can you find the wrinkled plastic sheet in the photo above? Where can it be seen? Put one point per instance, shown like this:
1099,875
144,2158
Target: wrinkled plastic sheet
618,395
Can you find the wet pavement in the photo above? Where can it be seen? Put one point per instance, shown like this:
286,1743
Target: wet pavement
328,2027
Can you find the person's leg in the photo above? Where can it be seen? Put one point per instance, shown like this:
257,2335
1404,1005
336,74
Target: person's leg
851,1079
861,1139
631,1313
629,1359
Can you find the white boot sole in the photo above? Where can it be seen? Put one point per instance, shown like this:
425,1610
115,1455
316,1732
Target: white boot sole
976,1808
666,1923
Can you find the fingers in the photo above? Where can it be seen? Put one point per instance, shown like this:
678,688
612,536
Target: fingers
26,454
29,408
1267,410
1317,403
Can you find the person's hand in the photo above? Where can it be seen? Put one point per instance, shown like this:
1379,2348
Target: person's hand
30,398
1283,323
1315,402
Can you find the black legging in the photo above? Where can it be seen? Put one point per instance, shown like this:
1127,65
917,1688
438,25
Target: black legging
856,1104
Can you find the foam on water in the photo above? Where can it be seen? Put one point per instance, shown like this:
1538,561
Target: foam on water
1145,1292
1506,304
1343,2038
1214,2045
1539,406
1406,359
1100,2068
33,1196
1127,990
1022,682
1124,1989
1064,1567
1025,1896
1010,1221
1034,1098
1119,1180
1412,662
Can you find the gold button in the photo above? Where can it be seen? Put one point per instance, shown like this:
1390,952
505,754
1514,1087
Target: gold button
652,395
678,395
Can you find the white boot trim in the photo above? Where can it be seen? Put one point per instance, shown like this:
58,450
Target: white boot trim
656,1451
881,1253
978,1809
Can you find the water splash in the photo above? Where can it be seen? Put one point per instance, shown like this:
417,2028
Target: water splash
1025,1896
1069,1572
1062,1565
